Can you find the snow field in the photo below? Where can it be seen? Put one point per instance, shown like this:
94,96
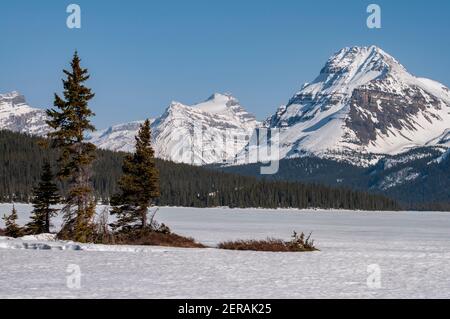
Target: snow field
410,249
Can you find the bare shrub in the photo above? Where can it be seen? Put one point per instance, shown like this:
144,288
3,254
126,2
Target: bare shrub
298,244
301,243
149,237
154,234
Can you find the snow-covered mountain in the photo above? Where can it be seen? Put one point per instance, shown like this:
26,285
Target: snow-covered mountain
363,106
16,115
205,133
209,132
363,101
119,138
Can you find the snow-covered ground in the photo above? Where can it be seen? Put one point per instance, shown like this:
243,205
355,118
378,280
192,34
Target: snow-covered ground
411,250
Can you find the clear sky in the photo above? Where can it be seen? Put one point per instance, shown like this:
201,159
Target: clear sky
143,54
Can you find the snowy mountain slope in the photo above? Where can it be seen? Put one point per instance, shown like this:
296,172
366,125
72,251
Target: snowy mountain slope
118,138
205,133
16,115
209,132
443,139
363,101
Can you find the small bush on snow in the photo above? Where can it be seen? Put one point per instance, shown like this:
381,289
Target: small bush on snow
298,244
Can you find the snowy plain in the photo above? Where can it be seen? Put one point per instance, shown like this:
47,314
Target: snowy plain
411,250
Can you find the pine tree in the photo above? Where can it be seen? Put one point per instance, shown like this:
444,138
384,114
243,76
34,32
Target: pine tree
44,196
70,121
139,185
12,229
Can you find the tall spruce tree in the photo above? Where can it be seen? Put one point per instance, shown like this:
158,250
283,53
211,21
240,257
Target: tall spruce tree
12,229
45,195
139,185
70,121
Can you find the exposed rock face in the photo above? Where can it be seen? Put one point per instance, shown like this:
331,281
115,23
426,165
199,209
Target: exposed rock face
376,112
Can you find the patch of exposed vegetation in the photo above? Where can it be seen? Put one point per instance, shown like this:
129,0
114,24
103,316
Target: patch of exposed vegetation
299,243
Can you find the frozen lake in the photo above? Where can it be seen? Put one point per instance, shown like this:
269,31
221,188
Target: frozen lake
405,255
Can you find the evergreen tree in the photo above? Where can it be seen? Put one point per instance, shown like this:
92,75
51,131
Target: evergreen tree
12,229
44,196
70,121
139,185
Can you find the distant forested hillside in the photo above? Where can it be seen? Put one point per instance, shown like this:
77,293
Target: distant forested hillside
417,179
21,159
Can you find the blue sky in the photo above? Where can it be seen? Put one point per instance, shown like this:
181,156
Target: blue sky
142,54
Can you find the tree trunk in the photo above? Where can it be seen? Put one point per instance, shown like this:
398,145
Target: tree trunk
47,222
144,218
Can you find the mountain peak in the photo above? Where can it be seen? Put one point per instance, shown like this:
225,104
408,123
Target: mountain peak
9,94
220,97
175,104
218,103
362,50
358,61
11,100
358,49
353,67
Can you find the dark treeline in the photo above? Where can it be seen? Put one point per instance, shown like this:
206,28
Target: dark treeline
22,159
